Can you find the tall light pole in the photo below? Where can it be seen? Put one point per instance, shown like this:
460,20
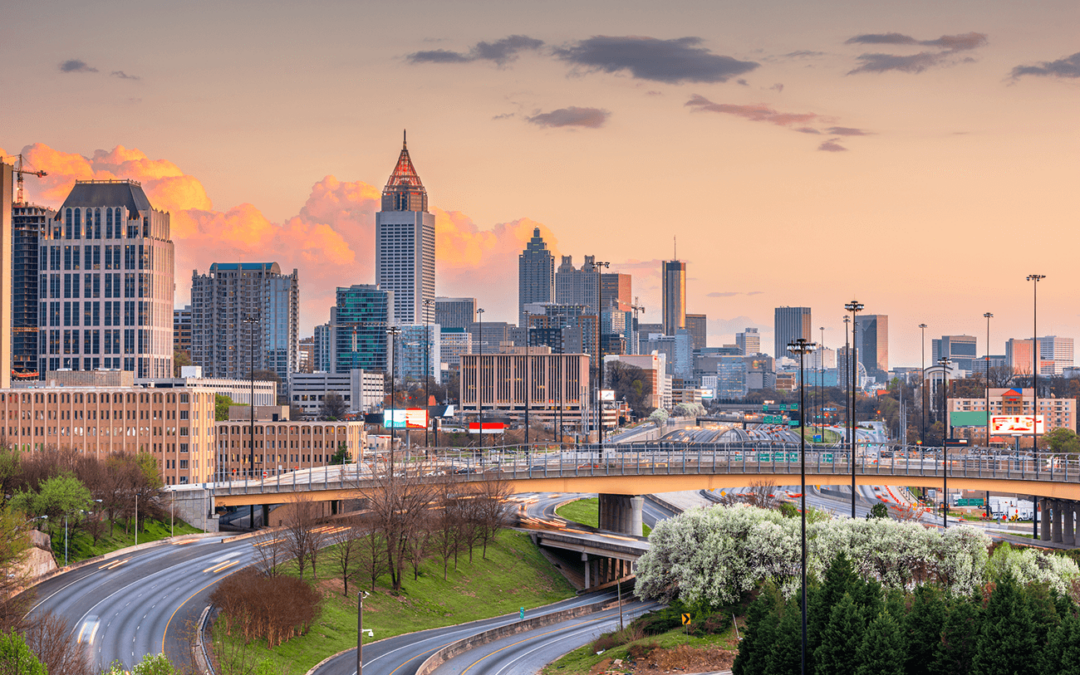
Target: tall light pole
986,384
528,386
428,340
600,351
1036,278
360,632
944,362
802,348
821,385
854,307
847,371
251,321
479,379
922,389
393,332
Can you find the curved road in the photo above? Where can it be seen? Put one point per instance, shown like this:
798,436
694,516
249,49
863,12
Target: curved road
142,603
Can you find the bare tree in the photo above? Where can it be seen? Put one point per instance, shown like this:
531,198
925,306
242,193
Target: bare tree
48,636
271,550
492,510
333,407
446,526
763,493
372,552
301,537
398,502
418,547
346,552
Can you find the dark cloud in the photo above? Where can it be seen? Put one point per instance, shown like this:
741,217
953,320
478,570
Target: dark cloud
672,61
947,46
1068,67
591,118
831,145
500,52
803,54
882,39
880,63
846,131
755,113
504,116
76,66
124,76
807,130
742,82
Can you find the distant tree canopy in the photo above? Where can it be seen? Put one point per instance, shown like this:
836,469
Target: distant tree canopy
631,384
333,407
221,407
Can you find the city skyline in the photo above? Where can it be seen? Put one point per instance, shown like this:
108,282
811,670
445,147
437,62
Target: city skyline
512,112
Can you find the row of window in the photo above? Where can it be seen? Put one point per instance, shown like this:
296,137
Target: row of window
135,285
136,313
74,257
86,223
39,397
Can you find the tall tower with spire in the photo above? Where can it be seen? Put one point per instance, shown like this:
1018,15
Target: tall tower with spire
536,274
405,244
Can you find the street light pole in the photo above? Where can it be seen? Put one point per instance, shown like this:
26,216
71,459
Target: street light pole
944,362
1036,278
528,386
428,340
854,307
600,351
251,321
986,385
802,348
393,332
360,632
922,389
479,380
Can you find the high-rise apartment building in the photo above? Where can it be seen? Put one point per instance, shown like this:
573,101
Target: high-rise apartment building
106,283
320,360
359,322
1056,353
536,274
181,327
790,324
6,235
698,326
575,286
405,244
27,223
962,349
417,354
307,355
455,312
453,344
872,342
674,296
617,289
1019,357
235,303
748,341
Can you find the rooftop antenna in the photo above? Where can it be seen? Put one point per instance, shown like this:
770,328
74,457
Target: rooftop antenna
404,138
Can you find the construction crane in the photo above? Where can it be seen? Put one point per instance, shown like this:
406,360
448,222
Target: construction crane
20,172
637,308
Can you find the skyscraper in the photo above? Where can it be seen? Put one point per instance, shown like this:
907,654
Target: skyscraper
359,322
405,244
1055,353
698,325
617,289
575,286
960,348
748,341
536,274
223,302
28,222
789,324
109,301
674,283
6,198
872,341
455,312
181,326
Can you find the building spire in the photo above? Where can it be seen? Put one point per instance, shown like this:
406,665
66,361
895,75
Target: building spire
404,139
404,191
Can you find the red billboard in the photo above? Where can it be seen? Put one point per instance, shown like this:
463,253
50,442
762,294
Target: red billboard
1017,425
489,427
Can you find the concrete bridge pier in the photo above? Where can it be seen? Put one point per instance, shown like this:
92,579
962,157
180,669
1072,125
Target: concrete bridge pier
1044,535
621,513
1055,529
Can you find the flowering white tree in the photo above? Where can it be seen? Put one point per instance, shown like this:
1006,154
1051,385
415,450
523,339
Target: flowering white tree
716,554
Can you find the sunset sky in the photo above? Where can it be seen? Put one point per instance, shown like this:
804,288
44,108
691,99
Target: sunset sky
920,156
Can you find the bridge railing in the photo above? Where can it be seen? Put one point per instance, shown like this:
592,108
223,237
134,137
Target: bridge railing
435,465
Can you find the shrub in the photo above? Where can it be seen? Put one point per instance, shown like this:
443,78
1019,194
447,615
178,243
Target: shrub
275,609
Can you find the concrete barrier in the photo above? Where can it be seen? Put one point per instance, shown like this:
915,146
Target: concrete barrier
664,503
455,648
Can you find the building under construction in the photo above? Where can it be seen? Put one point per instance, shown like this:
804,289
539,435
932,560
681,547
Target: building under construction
28,222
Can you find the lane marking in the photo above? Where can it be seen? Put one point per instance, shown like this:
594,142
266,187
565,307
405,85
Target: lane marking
165,633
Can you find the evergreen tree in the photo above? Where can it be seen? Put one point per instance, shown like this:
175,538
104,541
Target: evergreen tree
759,634
841,638
1062,653
868,596
839,579
1007,641
1044,615
785,657
882,650
955,650
923,626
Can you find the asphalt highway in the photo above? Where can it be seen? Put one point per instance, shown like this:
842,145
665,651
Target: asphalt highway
528,652
142,603
402,655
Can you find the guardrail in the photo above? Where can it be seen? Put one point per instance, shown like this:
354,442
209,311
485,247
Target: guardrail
646,459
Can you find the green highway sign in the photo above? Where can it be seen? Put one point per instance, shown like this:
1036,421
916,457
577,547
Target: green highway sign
793,423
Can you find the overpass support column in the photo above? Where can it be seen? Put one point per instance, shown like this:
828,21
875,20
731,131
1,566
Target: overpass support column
1045,534
1068,510
1055,532
585,559
636,504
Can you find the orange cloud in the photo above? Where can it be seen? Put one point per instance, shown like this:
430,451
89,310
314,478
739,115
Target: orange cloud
330,241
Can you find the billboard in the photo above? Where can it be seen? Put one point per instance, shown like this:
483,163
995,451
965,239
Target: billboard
607,394
489,428
1017,425
405,418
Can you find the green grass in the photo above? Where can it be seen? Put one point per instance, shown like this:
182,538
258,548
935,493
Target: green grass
830,437
514,575
81,545
587,512
583,659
